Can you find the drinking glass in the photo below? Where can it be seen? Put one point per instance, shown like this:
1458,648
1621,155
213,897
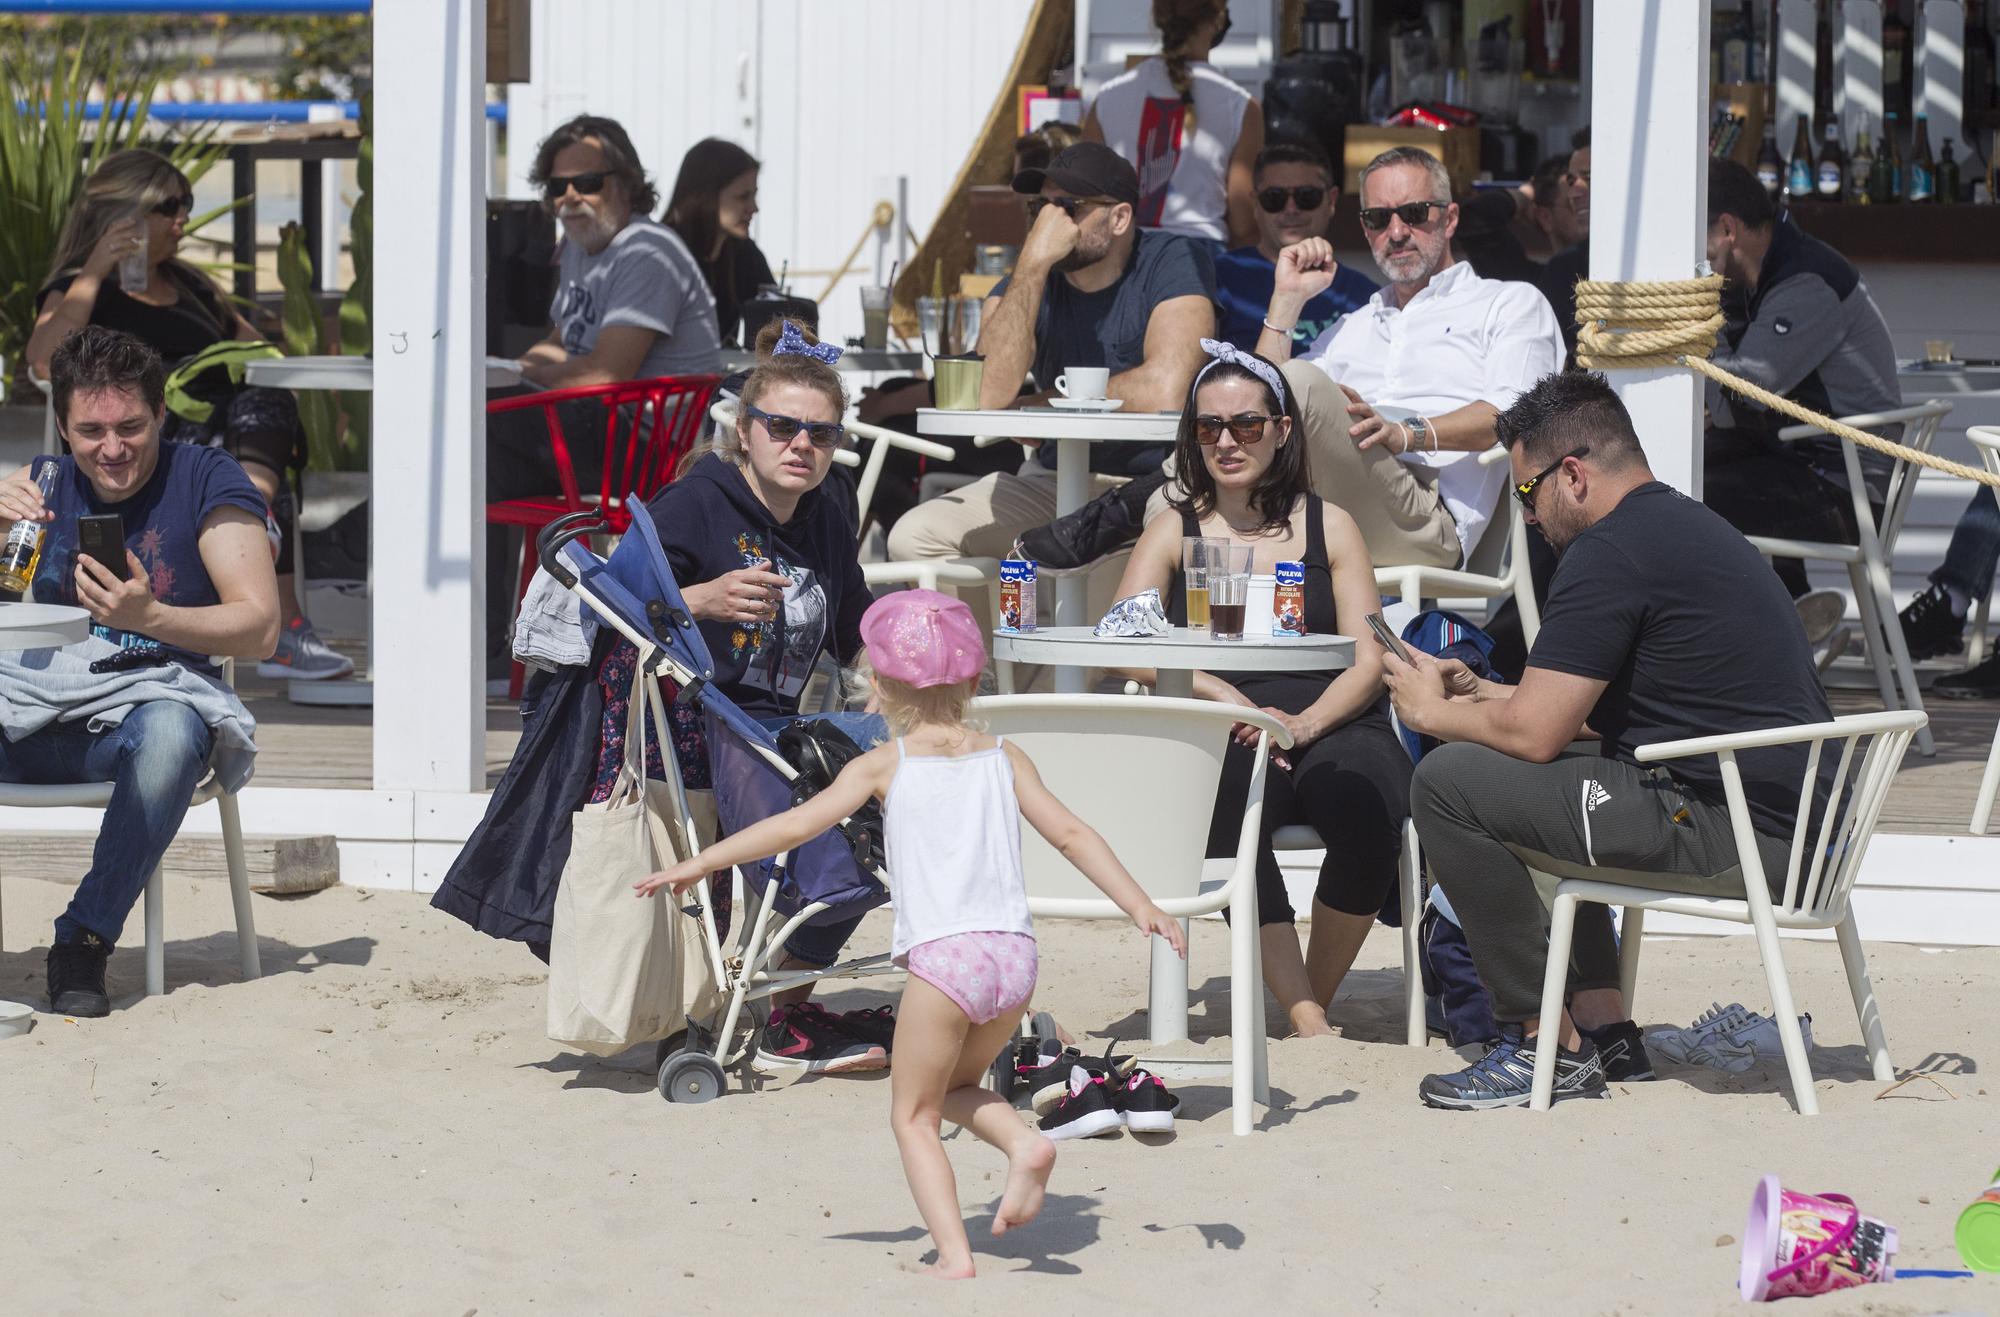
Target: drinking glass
1228,590
874,316
1195,557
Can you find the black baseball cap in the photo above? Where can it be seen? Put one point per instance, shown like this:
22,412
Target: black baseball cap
1087,169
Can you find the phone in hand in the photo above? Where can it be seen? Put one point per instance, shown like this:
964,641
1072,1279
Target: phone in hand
1390,641
103,538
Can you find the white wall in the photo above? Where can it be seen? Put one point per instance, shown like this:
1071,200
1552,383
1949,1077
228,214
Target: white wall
837,100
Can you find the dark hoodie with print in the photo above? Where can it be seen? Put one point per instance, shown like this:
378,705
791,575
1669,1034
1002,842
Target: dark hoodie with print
710,524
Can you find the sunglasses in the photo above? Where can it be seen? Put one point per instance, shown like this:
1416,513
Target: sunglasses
784,429
1415,214
174,207
1525,491
586,185
1245,428
1067,205
1272,199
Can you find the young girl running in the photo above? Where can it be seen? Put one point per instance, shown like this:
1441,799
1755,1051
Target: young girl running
953,798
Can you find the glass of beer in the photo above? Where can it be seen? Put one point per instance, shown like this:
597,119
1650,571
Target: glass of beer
1228,590
1195,550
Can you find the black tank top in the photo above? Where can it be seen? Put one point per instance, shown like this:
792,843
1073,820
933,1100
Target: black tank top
1290,691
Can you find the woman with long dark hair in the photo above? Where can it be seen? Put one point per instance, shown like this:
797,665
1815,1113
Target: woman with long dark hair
138,198
714,200
1243,477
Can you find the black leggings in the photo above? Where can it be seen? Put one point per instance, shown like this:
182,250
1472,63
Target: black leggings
1762,489
1352,786
258,425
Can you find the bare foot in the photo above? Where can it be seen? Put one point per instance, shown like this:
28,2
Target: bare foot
939,1270
1027,1178
1308,1022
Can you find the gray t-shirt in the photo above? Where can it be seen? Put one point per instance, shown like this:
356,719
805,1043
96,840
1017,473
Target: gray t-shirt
646,278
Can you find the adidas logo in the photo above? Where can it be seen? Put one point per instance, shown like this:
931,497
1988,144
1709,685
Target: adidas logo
1594,795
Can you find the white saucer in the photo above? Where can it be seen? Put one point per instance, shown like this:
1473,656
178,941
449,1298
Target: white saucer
1086,404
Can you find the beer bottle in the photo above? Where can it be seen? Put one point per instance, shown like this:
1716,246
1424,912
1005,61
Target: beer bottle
24,540
1947,176
1771,165
1860,168
1832,165
1889,154
1921,182
1800,181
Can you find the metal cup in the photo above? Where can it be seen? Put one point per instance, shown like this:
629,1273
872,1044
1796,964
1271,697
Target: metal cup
957,380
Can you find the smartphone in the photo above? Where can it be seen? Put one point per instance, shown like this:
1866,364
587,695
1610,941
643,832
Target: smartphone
1389,639
103,538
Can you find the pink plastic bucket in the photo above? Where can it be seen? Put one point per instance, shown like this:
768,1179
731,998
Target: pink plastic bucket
1798,1244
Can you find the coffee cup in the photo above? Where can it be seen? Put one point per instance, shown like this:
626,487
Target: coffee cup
1083,383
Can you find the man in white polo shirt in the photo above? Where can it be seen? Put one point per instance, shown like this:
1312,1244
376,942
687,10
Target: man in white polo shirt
1400,395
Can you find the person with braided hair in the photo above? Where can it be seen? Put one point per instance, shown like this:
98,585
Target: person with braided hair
1191,132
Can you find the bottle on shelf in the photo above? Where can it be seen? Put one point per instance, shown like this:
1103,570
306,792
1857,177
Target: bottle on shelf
1771,165
1947,176
1800,180
1860,168
1920,180
1889,161
1832,176
25,538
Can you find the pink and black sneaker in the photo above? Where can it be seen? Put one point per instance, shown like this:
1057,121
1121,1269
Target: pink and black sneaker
806,1038
877,1026
1087,1110
1144,1104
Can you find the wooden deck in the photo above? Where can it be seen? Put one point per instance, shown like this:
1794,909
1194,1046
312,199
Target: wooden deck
321,747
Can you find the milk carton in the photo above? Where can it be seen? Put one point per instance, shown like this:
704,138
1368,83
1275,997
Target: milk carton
1017,595
1288,600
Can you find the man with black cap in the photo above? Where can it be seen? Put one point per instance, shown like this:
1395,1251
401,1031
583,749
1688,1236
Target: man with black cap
1090,288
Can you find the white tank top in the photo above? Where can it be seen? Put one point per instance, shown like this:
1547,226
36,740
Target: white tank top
1183,183
952,829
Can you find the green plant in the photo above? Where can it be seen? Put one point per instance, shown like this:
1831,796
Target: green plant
304,335
49,144
357,307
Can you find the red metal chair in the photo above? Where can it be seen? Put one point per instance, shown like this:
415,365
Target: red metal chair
649,428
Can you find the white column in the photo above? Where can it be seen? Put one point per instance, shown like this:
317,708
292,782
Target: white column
1649,194
428,544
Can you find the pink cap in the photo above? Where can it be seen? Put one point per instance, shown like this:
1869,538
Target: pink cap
923,638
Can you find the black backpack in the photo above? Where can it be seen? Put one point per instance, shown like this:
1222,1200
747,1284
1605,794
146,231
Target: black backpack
819,750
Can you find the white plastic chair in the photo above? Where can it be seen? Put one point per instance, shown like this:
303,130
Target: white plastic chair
1818,882
1143,771
1497,567
97,795
1986,439
51,446
1869,561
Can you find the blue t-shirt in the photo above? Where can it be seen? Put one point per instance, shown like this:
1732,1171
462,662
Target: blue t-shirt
162,528
1243,284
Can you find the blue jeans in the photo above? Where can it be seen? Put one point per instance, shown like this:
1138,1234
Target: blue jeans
819,945
1975,548
155,759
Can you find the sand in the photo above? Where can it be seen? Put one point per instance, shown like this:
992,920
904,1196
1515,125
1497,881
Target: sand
379,1126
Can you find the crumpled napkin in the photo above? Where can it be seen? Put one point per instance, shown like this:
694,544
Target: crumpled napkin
1140,615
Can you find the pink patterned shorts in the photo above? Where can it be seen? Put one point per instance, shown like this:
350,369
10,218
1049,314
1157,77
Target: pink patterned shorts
986,974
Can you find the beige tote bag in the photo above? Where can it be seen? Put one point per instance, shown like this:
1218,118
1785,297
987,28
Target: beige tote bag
622,970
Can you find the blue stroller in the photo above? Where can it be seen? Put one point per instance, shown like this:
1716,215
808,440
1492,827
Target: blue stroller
836,876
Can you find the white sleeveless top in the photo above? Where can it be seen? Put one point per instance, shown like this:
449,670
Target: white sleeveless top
952,829
1183,184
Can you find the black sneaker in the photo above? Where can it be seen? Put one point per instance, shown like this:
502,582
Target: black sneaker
1621,1050
1930,627
1045,1076
76,978
1143,1103
1981,681
805,1037
877,1026
1086,1109
1505,1076
1104,525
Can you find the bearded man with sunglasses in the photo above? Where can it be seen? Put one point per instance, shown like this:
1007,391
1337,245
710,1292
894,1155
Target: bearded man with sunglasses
1398,397
1295,196
1662,623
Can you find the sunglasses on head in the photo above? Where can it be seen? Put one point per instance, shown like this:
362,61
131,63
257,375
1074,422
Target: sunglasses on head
586,185
174,207
1245,428
1067,205
1525,491
1272,199
784,429
1415,214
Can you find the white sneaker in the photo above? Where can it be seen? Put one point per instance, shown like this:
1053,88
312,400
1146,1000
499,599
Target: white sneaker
1678,1044
1749,1043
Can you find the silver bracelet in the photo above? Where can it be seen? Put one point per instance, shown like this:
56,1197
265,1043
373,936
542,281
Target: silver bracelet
1278,329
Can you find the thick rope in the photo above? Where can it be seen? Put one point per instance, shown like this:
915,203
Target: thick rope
1633,325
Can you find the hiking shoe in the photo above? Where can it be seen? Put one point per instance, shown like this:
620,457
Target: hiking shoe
76,978
1085,1111
1981,681
1104,525
1046,1077
1505,1076
302,656
1143,1103
1819,613
876,1025
1621,1050
1677,1044
1751,1041
1931,627
806,1038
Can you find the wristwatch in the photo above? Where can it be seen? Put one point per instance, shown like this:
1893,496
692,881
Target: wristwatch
1420,432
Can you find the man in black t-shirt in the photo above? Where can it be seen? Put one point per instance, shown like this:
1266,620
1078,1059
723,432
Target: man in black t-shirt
1662,623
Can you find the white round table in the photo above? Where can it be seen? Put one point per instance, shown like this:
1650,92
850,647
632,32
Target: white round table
42,626
1175,656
